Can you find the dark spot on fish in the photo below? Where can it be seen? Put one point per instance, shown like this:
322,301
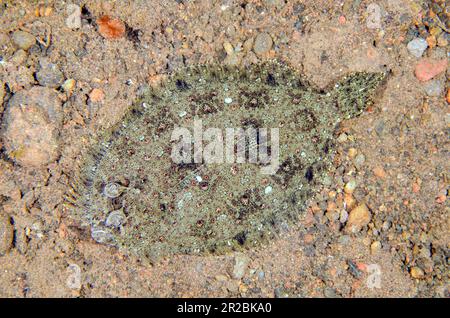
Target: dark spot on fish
182,85
241,238
309,175
271,80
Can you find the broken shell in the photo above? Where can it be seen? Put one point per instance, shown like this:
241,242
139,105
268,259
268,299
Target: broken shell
112,190
115,218
102,236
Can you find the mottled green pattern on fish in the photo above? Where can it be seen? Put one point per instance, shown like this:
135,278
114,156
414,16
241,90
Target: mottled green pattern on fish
135,197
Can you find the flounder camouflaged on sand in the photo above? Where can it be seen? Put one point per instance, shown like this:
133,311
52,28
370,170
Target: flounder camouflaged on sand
134,196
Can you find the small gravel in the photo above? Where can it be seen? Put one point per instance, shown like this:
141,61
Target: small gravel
281,292
19,57
49,75
2,93
359,161
241,262
263,43
417,47
23,40
6,234
434,88
32,121
358,218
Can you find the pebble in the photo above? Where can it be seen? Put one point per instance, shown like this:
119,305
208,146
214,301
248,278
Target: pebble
350,201
380,127
352,152
342,138
228,48
73,20
232,286
69,85
281,292
221,278
21,240
111,28
22,76
442,41
30,139
343,216
32,122
379,172
49,74
228,100
2,93
344,239
233,59
241,262
427,68
358,218
4,39
248,44
386,225
268,190
448,96
261,275
19,57
417,47
416,272
263,43
326,181
330,293
375,247
23,40
431,40
96,95
6,234
359,161
434,88
42,97
350,186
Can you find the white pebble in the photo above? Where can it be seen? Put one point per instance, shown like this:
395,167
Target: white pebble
417,46
434,88
73,19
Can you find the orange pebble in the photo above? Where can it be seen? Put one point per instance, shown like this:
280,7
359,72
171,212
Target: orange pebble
96,95
441,199
361,266
431,40
110,28
379,172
